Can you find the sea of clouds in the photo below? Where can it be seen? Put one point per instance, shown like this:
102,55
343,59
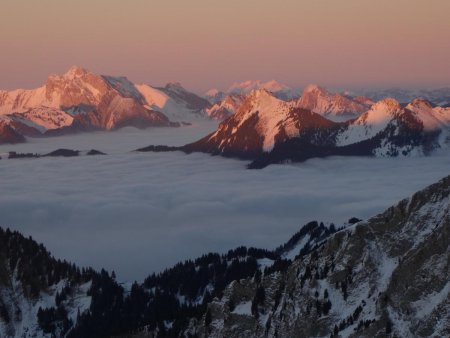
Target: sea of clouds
137,213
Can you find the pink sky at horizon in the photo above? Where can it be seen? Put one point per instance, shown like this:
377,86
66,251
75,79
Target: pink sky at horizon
205,44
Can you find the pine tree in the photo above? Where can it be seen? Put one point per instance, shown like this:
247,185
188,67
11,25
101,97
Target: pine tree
208,317
388,326
336,330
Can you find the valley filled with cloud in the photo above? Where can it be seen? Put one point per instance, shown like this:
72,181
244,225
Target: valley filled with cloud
136,213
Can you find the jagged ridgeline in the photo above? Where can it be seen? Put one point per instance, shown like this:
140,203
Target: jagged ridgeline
386,276
44,296
389,276
267,130
172,296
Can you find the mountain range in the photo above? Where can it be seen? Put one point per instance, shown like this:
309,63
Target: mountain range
241,88
268,130
438,96
265,122
80,100
386,276
334,106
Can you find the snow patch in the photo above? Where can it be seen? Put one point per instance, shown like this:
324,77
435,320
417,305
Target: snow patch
244,308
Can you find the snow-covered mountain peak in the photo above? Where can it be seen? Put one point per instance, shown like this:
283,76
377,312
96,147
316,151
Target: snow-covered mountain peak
421,103
212,92
278,89
249,85
124,86
173,101
245,86
175,86
261,93
226,107
74,72
274,86
388,104
381,112
432,117
334,106
263,101
314,88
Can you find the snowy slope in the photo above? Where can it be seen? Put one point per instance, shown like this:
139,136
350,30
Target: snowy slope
226,107
43,118
246,87
78,100
336,107
20,99
387,276
388,120
26,324
176,110
433,117
268,130
252,129
74,87
370,123
31,283
317,99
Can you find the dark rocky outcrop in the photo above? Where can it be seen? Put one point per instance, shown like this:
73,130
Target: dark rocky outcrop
9,135
95,152
63,153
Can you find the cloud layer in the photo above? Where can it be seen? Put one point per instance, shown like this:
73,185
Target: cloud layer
139,213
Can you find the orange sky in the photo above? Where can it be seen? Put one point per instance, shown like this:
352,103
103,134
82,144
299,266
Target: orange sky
209,43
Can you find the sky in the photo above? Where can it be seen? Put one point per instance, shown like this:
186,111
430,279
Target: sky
205,44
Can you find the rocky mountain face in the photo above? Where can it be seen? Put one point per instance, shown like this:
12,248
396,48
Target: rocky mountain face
259,122
336,107
175,102
181,95
387,276
81,101
9,134
268,130
226,107
333,106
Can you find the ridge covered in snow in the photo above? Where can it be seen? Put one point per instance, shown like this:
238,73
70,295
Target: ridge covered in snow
226,107
80,100
241,88
387,276
269,130
334,106
253,127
